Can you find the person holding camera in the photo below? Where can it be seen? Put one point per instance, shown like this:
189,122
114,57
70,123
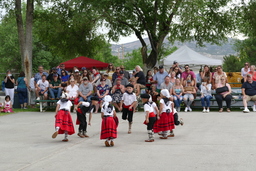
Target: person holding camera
9,85
206,94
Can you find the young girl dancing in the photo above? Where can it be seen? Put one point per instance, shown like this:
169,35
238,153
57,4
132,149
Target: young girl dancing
166,120
108,124
63,119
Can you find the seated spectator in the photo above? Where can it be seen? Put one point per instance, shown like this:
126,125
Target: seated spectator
85,73
110,71
206,94
126,73
188,98
149,79
85,90
188,75
22,85
55,88
52,72
154,94
72,91
176,66
172,77
77,77
95,76
7,105
60,68
223,92
116,74
177,91
167,85
159,77
155,70
117,93
249,93
252,72
216,78
42,88
136,90
102,91
124,80
71,77
140,76
206,73
64,77
198,80
244,71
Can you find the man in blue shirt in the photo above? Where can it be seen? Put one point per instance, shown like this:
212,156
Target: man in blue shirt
159,78
249,92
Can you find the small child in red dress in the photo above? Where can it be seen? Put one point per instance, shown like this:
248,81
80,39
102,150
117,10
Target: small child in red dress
108,124
63,119
7,104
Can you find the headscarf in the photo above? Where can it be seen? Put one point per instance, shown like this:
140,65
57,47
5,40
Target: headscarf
165,93
106,100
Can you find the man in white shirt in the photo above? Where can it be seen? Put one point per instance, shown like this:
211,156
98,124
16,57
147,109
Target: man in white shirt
42,88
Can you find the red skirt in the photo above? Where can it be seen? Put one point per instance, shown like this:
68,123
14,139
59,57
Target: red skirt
63,120
80,112
165,123
108,128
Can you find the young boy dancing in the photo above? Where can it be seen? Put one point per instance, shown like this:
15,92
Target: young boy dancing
81,110
127,104
150,115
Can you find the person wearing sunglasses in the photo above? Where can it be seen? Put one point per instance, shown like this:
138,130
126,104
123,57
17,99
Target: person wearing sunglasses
116,74
188,73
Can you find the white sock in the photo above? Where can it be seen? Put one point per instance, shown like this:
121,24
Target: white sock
57,128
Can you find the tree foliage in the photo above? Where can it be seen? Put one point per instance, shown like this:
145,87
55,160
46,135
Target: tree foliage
232,63
199,20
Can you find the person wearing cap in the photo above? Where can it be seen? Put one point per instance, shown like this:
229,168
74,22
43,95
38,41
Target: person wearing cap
117,93
150,117
72,91
126,73
81,110
42,87
61,67
63,120
159,77
188,97
55,88
38,76
77,77
9,85
127,104
85,90
102,91
165,122
124,80
249,93
108,124
140,76
108,82
53,71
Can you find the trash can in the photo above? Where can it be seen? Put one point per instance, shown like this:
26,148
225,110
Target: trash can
16,103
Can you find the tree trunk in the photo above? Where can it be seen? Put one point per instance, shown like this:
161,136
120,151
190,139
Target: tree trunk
25,38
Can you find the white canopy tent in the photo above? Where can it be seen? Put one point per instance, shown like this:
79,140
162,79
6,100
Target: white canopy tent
185,55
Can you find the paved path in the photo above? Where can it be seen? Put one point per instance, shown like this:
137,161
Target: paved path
207,142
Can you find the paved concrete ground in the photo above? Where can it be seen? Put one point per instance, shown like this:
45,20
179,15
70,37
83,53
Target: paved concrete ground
207,142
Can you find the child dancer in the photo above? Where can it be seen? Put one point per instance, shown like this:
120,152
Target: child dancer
128,102
63,120
83,108
7,104
150,116
166,121
108,125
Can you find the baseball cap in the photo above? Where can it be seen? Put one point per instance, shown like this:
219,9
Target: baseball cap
105,74
121,72
161,67
175,62
54,68
83,68
85,78
76,70
55,75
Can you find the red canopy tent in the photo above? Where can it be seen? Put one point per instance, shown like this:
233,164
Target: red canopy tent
82,61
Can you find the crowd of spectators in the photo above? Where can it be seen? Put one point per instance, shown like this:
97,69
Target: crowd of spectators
182,83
